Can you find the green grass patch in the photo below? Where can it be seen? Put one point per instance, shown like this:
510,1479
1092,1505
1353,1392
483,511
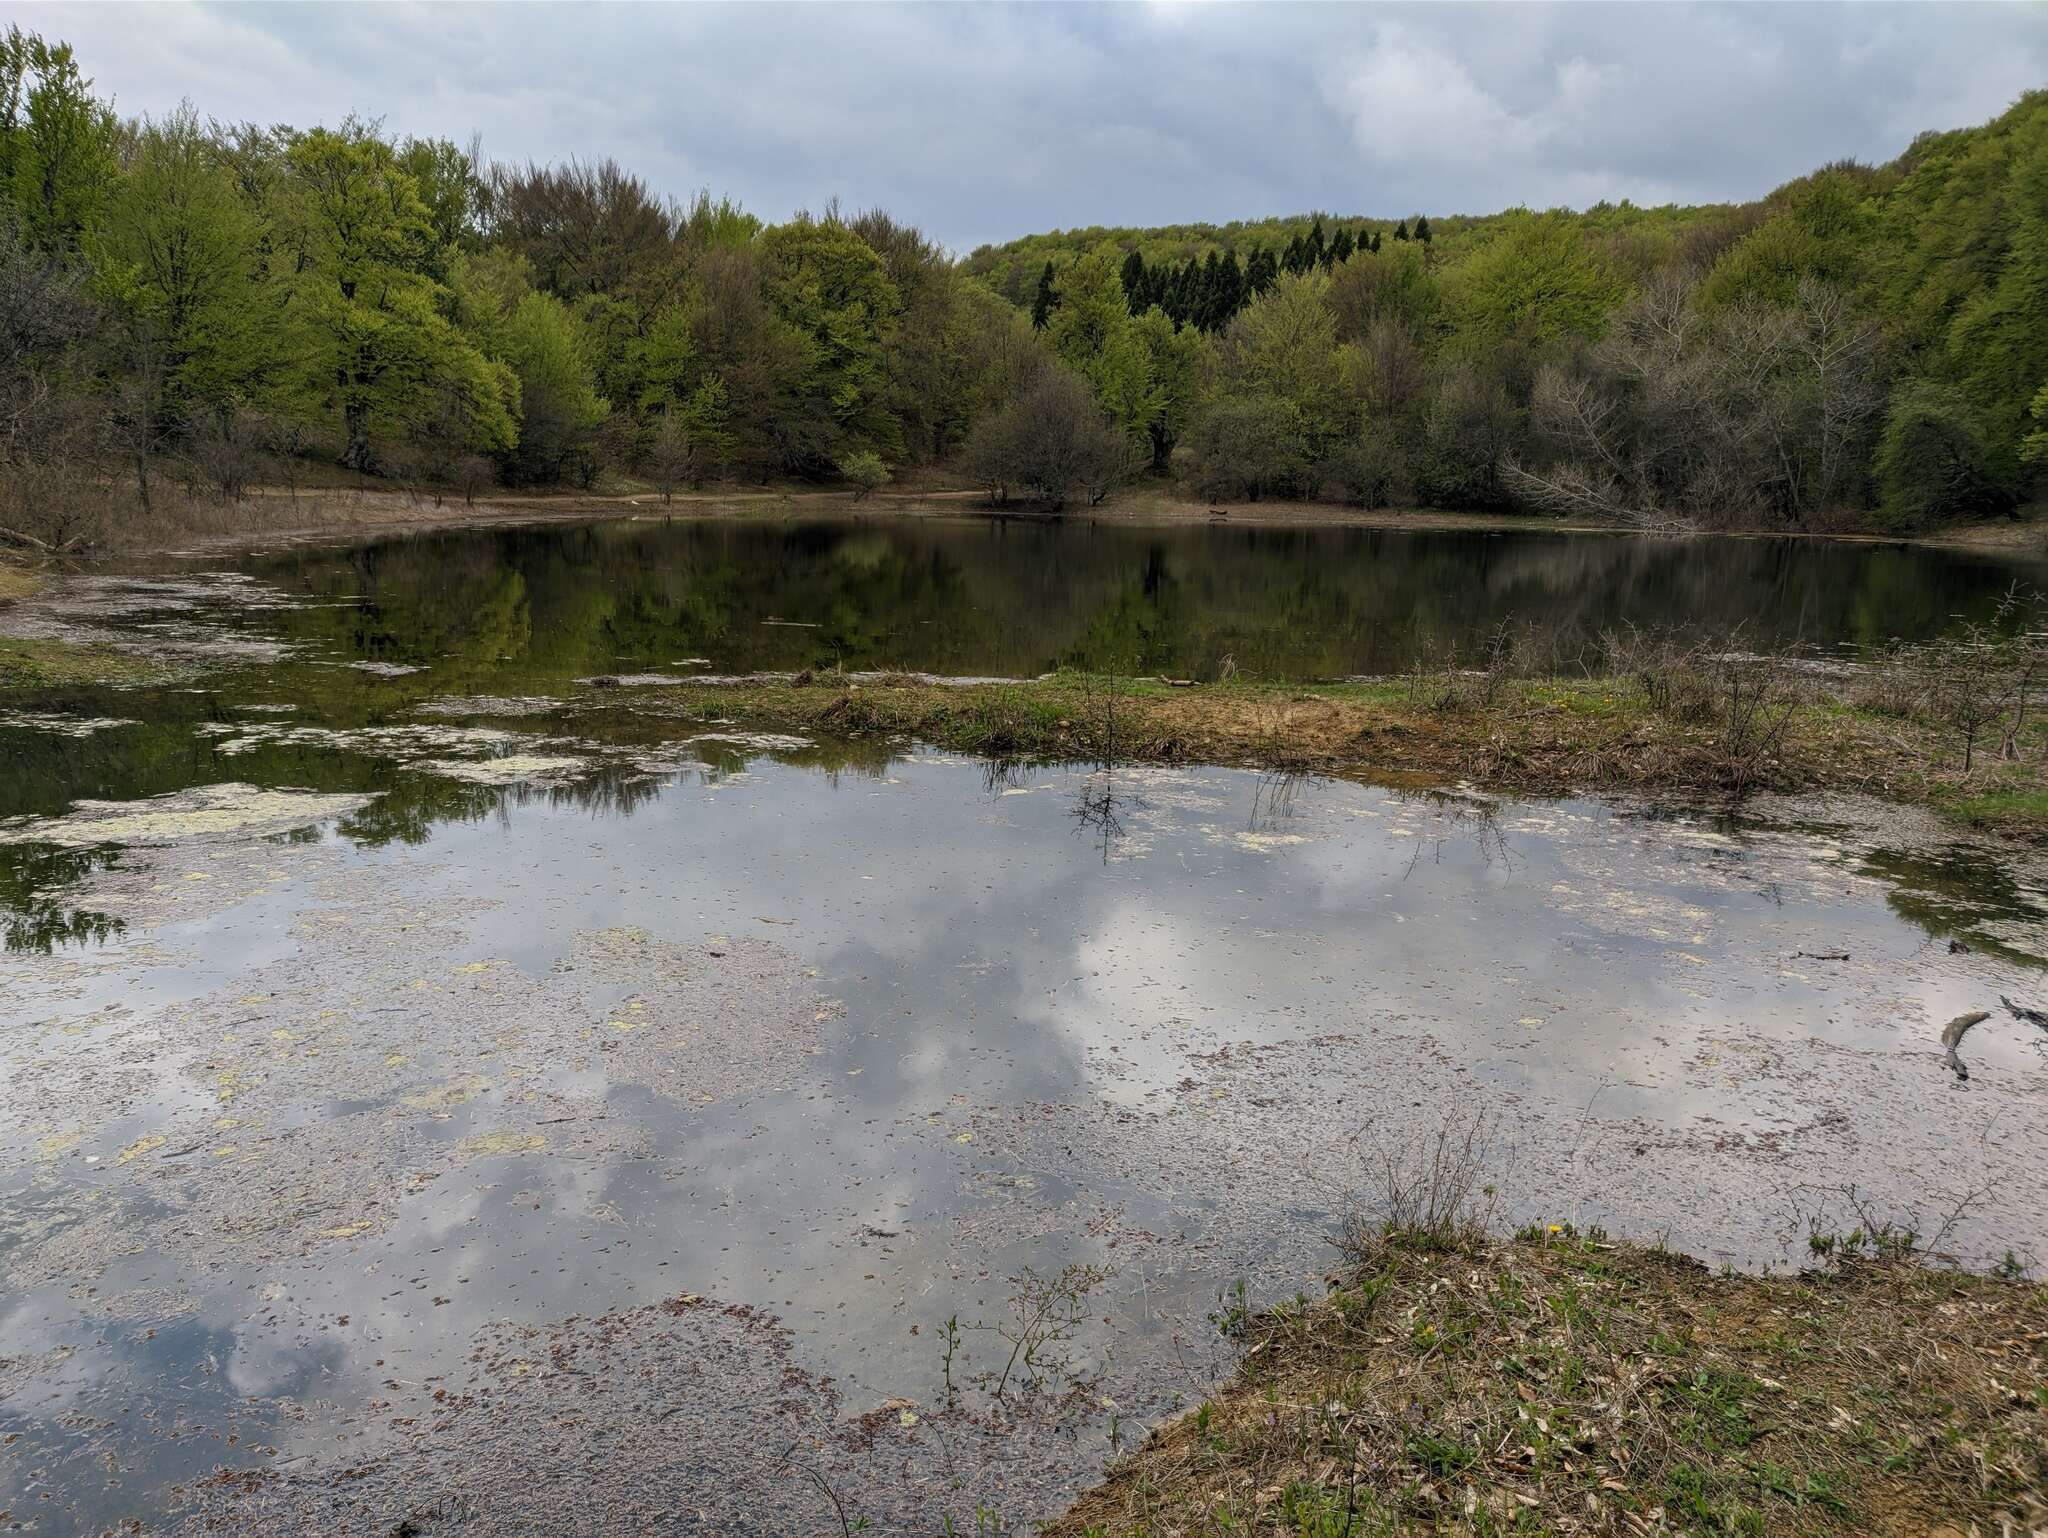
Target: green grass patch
42,664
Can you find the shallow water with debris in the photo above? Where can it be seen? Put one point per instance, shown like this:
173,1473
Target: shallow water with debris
437,1103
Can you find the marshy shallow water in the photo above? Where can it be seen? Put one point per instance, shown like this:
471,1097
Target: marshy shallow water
460,1098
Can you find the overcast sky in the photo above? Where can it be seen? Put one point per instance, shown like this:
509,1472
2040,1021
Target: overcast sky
980,123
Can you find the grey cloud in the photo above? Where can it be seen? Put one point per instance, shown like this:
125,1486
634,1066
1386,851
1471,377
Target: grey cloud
985,122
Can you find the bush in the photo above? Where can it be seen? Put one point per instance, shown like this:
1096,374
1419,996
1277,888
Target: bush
1468,432
1049,445
1371,470
1248,448
1933,462
864,471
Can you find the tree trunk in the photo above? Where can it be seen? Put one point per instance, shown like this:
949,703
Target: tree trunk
357,455
1162,448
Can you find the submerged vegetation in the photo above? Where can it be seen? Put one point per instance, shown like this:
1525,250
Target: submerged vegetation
191,307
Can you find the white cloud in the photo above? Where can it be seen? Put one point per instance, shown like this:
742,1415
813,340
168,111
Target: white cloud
989,121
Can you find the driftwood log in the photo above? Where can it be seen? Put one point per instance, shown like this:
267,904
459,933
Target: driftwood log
1952,1037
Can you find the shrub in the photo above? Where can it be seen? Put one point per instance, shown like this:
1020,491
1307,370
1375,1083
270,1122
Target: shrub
1933,462
1248,448
1049,445
864,471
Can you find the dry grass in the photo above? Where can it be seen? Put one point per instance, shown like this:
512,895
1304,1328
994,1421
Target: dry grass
1533,735
17,582
1561,1384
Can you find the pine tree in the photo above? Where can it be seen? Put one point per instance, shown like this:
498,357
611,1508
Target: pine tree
1422,228
1260,272
1340,247
1210,299
1375,242
1137,290
1313,252
1234,294
1047,301
1401,230
1294,260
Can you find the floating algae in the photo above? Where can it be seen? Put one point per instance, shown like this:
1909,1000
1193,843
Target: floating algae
61,725
511,769
230,810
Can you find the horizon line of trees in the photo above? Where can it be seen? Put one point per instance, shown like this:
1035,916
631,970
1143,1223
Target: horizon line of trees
216,303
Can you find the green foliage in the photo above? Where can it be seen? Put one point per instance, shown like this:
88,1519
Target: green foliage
402,306
2034,447
1536,285
1822,228
57,159
176,253
1285,347
830,288
1246,447
864,471
558,403
366,328
1933,461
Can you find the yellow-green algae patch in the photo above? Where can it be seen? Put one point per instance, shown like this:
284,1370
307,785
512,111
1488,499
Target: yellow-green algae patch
230,810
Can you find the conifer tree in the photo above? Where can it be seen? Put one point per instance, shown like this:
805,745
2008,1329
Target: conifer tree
1422,228
1234,294
1401,230
1260,271
1137,291
1312,250
1047,301
1209,312
1340,247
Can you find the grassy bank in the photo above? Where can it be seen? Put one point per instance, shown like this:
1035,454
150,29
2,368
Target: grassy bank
1531,735
1558,1384
47,664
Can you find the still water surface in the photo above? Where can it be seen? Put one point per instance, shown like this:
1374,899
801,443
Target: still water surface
504,1108
1020,598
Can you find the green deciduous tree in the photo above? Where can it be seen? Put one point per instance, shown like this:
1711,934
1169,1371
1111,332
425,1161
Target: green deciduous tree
559,406
831,290
176,254
366,328
1538,284
57,160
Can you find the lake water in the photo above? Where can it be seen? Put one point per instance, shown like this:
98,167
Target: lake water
465,1099
1017,598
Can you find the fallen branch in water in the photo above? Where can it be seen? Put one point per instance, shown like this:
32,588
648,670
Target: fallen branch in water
1952,1037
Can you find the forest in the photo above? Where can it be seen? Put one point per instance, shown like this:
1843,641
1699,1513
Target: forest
191,307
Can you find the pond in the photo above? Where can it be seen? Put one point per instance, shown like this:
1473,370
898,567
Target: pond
1016,598
467,1100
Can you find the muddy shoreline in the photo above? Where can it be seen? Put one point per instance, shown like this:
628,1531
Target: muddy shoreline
270,517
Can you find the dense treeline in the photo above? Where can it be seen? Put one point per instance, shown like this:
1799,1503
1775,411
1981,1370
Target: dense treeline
1865,345
213,300
185,300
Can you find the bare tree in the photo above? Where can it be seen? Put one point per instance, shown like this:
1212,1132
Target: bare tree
1677,419
1049,445
671,457
227,449
51,428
